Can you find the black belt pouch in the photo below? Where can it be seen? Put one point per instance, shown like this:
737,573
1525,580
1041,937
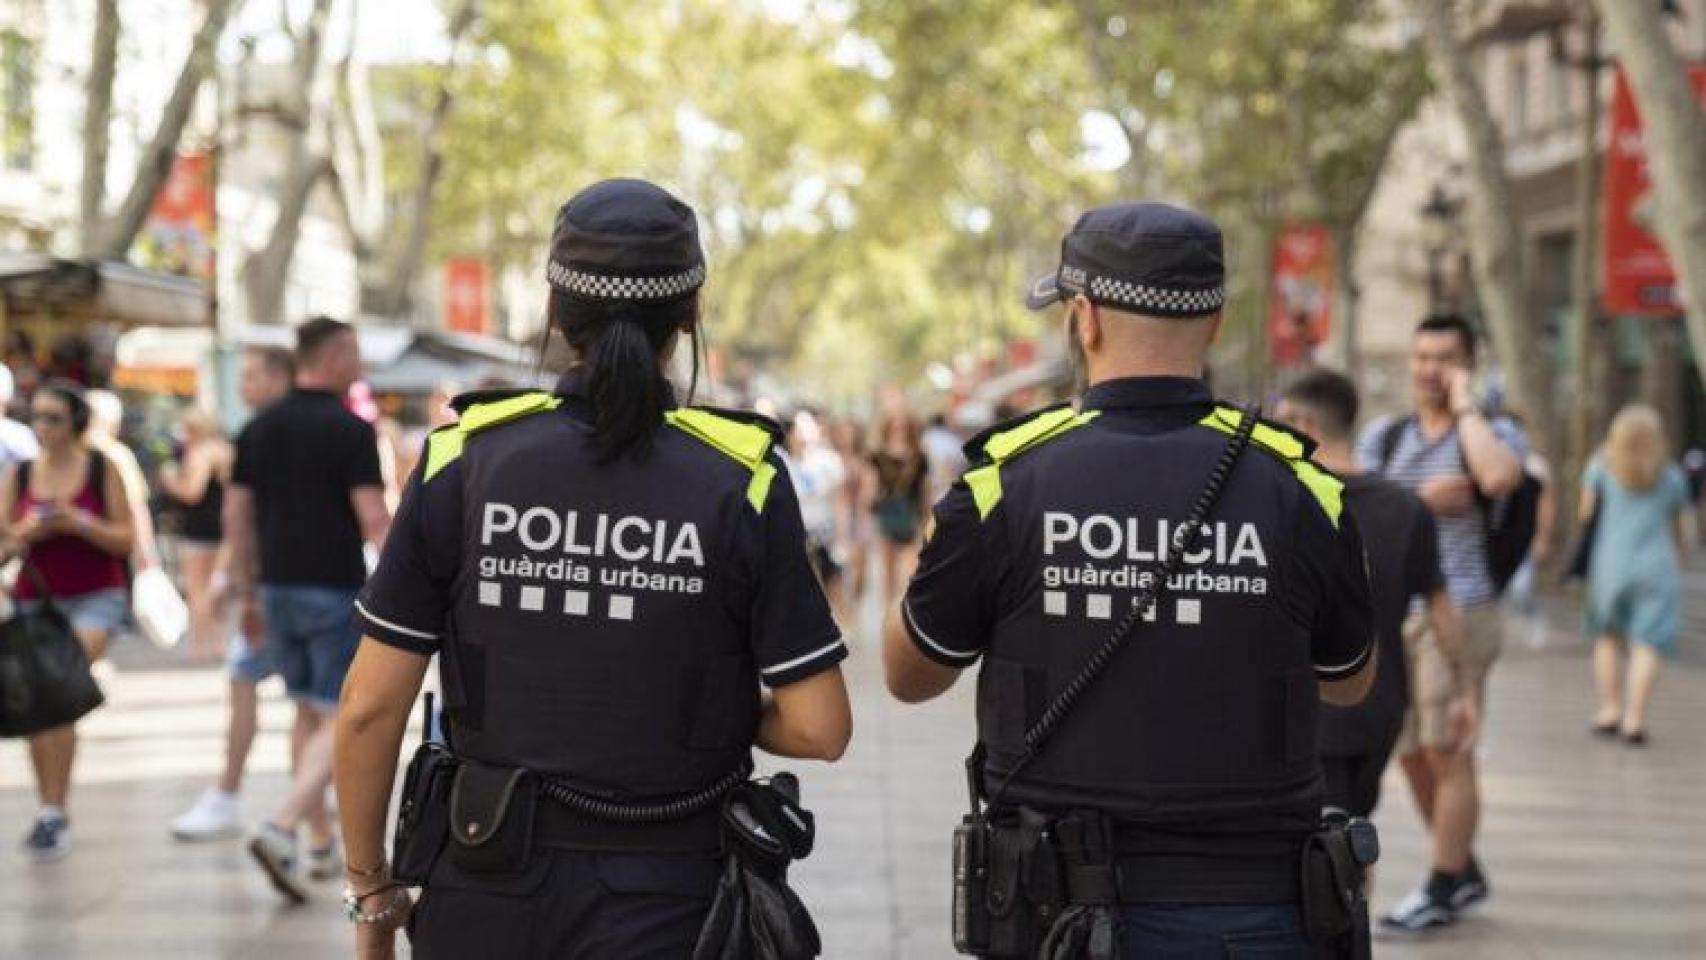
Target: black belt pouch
1332,892
423,816
491,819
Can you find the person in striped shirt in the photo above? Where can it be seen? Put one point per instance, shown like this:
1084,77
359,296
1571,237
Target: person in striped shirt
1458,459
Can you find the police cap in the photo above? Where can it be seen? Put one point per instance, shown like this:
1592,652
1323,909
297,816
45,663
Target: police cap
1148,258
628,241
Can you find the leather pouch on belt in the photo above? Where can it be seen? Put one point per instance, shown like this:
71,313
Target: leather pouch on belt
491,819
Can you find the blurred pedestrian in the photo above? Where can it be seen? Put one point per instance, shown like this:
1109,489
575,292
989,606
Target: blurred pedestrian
306,494
17,441
818,476
196,482
1694,465
264,376
106,422
855,502
1403,565
900,472
1634,571
1461,461
943,452
66,514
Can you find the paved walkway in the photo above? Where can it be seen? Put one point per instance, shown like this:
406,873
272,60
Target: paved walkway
1594,850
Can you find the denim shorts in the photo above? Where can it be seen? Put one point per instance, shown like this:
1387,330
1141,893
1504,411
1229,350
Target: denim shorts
312,635
104,610
250,664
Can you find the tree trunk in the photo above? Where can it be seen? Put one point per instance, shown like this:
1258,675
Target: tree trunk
267,270
97,116
1674,128
156,162
1494,243
394,295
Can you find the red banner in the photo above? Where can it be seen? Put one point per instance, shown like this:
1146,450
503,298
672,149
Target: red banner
1300,310
467,299
1639,278
179,235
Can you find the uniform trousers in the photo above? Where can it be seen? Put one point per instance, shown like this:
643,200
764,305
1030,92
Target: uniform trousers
1213,932
568,905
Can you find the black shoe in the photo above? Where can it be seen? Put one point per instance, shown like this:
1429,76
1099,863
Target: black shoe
1420,912
1606,730
1471,889
1636,738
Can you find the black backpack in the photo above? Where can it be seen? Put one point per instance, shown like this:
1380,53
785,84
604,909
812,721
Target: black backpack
1511,521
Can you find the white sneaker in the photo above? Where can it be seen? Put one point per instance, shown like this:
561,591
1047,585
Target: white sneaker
274,851
212,817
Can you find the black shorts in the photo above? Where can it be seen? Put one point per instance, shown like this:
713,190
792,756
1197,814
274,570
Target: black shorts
1353,781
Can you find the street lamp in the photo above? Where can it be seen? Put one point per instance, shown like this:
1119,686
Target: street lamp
1439,234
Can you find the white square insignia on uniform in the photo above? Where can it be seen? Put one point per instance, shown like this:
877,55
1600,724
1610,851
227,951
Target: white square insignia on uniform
576,602
1188,611
1054,603
621,607
1099,606
491,594
532,598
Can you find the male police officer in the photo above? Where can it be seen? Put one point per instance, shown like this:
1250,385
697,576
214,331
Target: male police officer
1195,751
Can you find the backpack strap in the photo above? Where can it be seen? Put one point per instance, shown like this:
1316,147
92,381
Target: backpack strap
97,480
1390,436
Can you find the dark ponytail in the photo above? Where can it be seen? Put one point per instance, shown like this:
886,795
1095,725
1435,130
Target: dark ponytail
619,344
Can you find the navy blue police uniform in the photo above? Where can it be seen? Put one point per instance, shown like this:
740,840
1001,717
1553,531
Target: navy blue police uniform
1199,740
607,625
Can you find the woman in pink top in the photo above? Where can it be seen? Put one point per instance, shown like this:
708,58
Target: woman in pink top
66,512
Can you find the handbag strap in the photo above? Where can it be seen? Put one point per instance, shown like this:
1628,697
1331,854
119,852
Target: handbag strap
1097,663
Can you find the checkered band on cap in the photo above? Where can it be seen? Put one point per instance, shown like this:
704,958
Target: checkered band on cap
1164,301
599,286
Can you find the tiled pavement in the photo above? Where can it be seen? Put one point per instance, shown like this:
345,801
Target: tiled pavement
1594,850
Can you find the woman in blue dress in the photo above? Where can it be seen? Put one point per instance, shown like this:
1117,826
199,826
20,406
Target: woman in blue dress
1634,576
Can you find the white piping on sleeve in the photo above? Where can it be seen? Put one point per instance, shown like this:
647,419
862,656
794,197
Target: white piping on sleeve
405,631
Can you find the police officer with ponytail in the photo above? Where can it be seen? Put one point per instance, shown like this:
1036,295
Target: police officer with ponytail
618,591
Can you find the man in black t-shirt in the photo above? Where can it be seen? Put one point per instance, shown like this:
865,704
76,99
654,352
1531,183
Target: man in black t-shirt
306,495
1403,560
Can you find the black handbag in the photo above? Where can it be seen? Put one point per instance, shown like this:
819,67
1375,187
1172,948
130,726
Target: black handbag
44,671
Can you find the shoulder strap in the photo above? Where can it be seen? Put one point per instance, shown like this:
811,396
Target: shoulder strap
1390,436
1063,703
97,478
481,412
23,478
1007,441
1292,449
742,440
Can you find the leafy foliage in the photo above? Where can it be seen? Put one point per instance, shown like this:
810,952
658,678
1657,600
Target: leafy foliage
877,178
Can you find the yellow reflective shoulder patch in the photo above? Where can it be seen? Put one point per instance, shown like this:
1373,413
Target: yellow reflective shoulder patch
445,444
743,443
1326,488
985,481
482,415
985,484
